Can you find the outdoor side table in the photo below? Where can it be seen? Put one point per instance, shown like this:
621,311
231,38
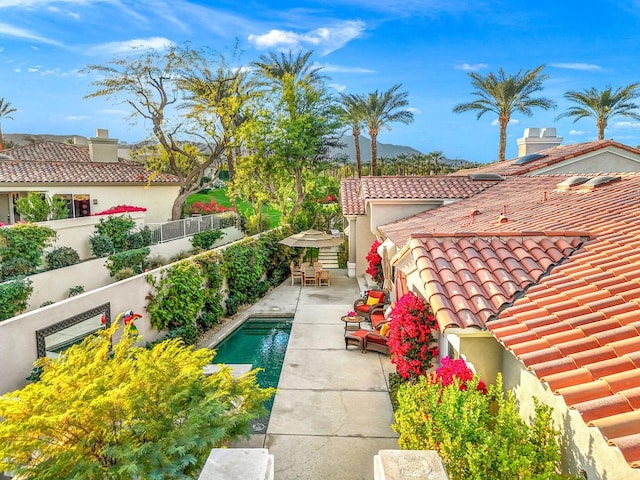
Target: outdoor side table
351,322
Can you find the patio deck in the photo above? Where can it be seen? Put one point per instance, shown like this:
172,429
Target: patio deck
332,412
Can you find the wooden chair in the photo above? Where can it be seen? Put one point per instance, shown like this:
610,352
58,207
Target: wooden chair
309,277
324,278
295,273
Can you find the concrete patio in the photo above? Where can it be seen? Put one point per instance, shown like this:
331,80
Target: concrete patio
332,412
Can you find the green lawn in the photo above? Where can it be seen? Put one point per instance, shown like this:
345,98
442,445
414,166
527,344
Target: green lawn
243,207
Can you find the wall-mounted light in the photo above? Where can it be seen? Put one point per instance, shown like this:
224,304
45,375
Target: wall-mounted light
95,201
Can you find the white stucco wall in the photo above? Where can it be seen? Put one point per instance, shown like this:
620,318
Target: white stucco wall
157,199
381,212
583,448
607,160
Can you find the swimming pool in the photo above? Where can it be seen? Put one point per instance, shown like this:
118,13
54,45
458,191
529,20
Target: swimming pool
261,342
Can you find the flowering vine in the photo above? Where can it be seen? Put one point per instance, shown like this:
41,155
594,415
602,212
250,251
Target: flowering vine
375,263
121,209
411,340
451,370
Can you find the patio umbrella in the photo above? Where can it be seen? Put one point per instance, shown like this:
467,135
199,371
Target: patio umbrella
311,239
386,270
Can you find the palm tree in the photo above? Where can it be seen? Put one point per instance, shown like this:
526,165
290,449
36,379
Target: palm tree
351,112
505,94
5,112
275,68
435,159
604,105
379,110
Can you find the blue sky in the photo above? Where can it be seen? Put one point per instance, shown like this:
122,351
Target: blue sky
429,46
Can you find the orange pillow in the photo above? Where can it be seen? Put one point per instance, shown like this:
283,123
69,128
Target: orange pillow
384,329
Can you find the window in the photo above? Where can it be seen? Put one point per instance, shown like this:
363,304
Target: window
78,204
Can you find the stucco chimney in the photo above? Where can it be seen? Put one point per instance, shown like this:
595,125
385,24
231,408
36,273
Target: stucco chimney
536,139
102,148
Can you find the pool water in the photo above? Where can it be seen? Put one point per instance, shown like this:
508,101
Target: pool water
261,343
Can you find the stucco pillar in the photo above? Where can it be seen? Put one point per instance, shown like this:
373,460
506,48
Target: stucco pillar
353,238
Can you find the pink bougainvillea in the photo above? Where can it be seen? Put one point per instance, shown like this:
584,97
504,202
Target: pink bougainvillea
452,369
375,263
208,208
411,341
121,209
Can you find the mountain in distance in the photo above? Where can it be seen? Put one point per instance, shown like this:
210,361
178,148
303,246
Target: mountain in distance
384,150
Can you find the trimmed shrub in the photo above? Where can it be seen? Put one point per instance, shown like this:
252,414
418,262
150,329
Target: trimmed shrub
205,240
16,267
62,257
77,290
124,273
14,296
134,259
101,245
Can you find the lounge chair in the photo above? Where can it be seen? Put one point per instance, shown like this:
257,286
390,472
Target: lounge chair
374,298
369,340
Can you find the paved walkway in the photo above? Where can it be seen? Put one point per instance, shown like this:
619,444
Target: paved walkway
332,412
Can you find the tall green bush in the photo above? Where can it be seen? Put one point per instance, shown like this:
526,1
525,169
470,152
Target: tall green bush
178,297
478,435
243,267
205,240
25,241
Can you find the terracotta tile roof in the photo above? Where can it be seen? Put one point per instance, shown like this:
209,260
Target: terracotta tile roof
50,152
355,192
551,157
588,347
54,162
469,279
577,327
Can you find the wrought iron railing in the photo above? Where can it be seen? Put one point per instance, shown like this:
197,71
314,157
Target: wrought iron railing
164,232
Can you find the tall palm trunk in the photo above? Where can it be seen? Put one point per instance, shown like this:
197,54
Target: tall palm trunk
602,124
374,152
503,121
356,145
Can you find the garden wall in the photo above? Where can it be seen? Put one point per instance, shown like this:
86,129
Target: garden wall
75,232
18,349
54,285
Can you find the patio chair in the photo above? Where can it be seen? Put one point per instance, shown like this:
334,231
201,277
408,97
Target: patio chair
309,277
378,315
295,273
369,340
374,297
324,278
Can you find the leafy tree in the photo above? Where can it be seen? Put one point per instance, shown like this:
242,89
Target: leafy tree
504,94
290,130
124,412
153,84
379,110
39,207
603,105
352,114
5,112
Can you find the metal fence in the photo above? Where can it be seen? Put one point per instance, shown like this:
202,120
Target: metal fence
164,232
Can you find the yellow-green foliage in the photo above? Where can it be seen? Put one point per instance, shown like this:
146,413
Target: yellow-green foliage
124,412
478,436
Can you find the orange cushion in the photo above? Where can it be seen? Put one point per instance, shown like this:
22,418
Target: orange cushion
364,308
377,318
376,294
377,339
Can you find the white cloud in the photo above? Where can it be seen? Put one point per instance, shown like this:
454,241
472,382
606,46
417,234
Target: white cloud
76,118
414,110
338,87
513,121
7,30
585,67
33,69
131,46
329,68
326,39
626,124
578,132
467,67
